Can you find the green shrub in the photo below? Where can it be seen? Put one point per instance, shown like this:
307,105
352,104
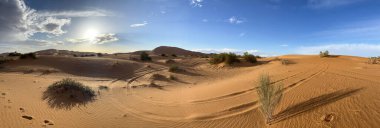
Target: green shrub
269,96
228,58
28,56
145,57
324,53
249,57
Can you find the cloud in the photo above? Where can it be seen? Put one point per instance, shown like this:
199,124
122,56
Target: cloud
106,38
284,45
196,3
99,39
235,20
362,29
40,42
319,4
86,13
358,49
19,22
139,24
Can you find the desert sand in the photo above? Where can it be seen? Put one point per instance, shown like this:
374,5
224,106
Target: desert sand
344,89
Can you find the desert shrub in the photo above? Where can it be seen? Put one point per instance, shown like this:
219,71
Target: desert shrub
324,53
373,60
28,56
99,54
172,77
14,54
174,68
269,96
158,77
145,57
71,89
103,87
163,55
174,55
169,61
249,57
285,62
228,58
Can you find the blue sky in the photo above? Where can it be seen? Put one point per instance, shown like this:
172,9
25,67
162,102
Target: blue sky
264,27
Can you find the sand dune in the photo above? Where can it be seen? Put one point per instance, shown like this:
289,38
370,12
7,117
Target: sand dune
343,89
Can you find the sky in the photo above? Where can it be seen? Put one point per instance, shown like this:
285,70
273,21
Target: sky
261,27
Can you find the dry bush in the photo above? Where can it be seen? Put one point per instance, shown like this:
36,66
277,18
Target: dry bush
175,68
68,93
324,54
145,57
285,62
373,60
169,61
269,96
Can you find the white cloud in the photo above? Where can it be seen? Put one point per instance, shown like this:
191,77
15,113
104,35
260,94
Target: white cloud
99,39
235,20
284,45
20,22
106,38
358,49
139,24
196,3
318,4
86,13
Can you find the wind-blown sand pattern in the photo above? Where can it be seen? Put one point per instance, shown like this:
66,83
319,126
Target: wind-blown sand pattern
339,91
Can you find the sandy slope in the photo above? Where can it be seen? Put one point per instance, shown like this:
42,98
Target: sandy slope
204,96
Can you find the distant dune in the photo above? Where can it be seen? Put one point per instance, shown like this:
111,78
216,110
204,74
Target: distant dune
174,50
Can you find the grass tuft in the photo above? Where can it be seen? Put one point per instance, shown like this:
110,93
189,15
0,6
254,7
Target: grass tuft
269,96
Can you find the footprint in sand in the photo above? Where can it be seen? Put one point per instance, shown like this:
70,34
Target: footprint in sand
48,122
22,109
27,117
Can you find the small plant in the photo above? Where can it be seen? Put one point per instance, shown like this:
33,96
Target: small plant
14,54
163,55
373,60
145,57
285,62
172,77
228,58
249,57
324,53
28,55
174,68
174,55
169,61
103,87
269,96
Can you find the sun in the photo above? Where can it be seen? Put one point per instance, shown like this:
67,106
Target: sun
90,34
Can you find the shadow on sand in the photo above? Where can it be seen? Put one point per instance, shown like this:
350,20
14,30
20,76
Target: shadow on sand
66,101
312,104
